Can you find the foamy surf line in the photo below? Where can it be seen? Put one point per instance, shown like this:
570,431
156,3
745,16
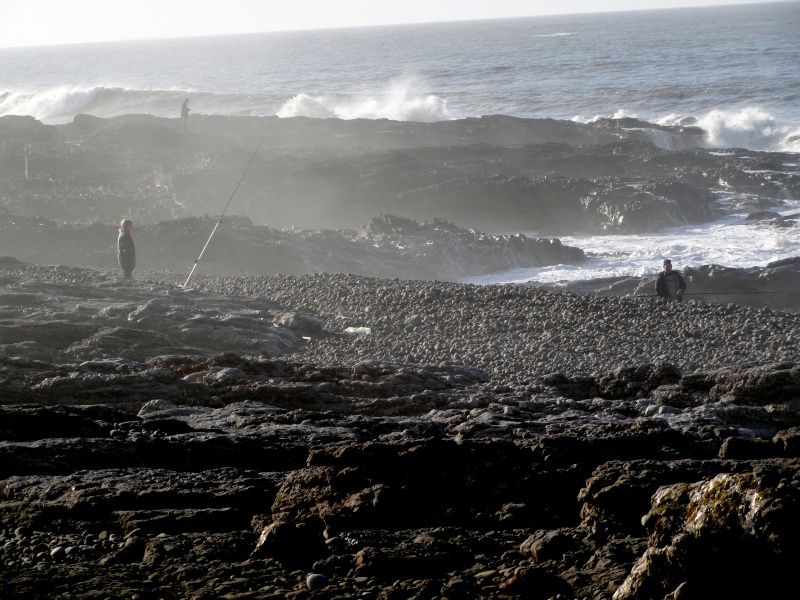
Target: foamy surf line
395,107
731,242
752,128
61,104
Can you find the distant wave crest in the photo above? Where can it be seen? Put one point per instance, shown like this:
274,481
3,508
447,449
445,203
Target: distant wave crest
560,34
50,104
397,104
61,104
752,127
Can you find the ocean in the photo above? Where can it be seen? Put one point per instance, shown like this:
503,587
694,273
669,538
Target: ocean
733,71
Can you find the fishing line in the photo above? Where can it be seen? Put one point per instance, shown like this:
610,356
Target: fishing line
733,293
219,221
236,258
722,293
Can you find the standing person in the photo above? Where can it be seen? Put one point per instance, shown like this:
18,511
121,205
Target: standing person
670,285
185,112
126,250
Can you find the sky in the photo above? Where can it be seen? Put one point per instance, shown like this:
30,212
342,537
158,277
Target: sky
51,22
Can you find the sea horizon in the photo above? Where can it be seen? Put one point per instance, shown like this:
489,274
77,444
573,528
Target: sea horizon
680,66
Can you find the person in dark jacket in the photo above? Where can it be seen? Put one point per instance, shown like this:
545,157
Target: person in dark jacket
126,250
670,285
185,113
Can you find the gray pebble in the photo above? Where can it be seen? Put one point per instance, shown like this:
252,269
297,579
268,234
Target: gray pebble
315,581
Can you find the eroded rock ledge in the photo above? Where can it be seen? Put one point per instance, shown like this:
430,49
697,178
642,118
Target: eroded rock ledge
203,474
464,487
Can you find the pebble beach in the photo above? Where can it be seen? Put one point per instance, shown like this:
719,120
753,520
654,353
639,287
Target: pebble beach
361,425
339,436
519,333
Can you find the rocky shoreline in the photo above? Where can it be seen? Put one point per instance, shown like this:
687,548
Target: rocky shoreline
386,245
433,201
496,174
236,440
344,420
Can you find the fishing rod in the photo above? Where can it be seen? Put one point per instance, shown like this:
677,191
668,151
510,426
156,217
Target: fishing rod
219,221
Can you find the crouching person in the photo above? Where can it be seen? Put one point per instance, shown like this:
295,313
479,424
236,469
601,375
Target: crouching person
670,285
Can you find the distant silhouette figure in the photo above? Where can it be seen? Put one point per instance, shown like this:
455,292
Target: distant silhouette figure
126,251
185,112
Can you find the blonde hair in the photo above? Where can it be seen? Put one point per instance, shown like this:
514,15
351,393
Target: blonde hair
124,224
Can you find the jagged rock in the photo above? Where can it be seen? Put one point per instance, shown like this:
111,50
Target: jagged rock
649,207
734,534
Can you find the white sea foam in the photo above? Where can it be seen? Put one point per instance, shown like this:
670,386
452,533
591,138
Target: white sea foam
51,103
619,114
303,105
751,128
560,34
732,241
676,120
60,104
399,103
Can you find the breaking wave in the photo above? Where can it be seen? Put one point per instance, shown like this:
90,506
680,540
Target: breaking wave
399,103
50,104
61,104
752,128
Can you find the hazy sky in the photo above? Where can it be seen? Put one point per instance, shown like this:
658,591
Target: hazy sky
46,22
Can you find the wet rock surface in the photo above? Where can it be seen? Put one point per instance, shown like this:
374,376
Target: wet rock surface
385,245
234,440
496,173
315,184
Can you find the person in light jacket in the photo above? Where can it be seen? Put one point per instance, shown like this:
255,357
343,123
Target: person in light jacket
126,250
